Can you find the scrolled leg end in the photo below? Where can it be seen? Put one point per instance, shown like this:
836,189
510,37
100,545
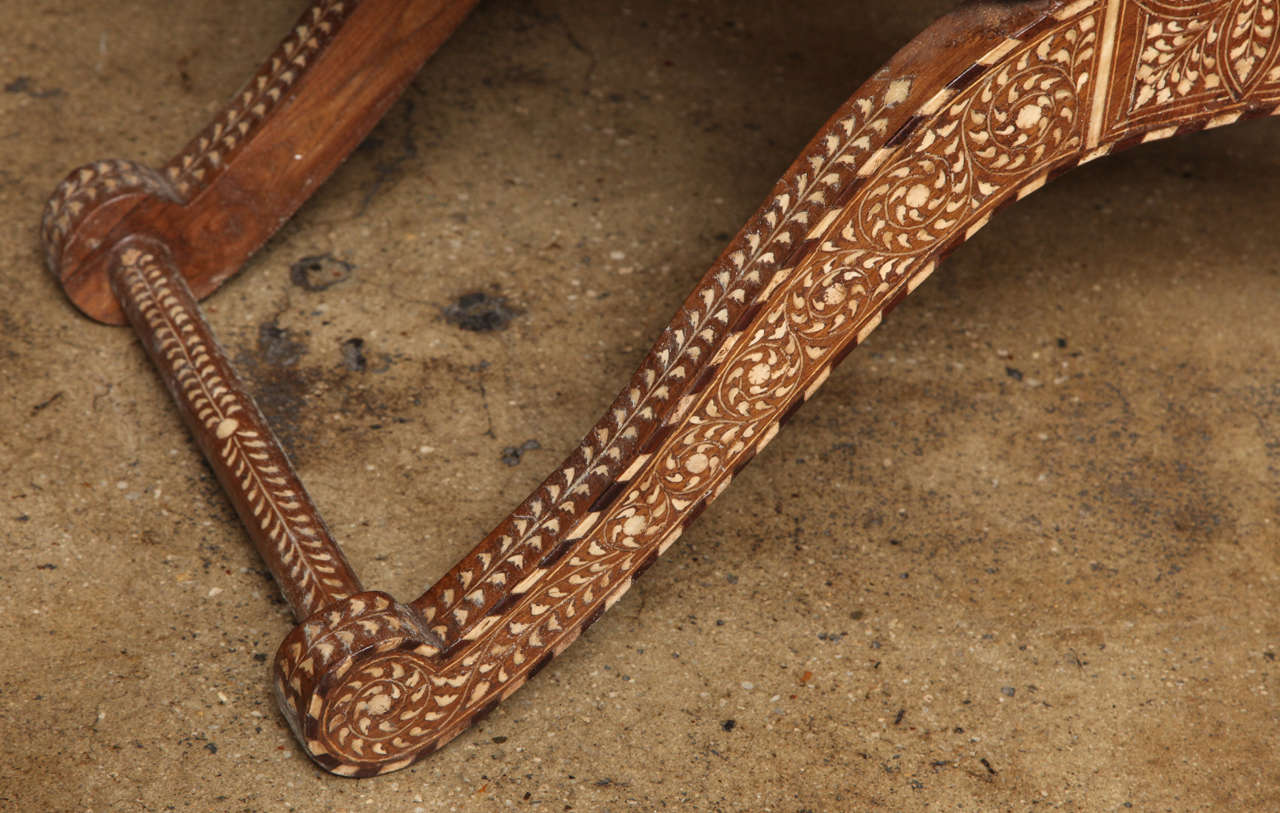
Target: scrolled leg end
80,219
86,193
355,683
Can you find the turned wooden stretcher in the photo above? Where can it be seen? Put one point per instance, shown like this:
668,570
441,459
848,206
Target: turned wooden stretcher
982,109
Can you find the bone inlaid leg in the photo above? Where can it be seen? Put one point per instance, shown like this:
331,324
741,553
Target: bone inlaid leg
915,163
981,110
234,436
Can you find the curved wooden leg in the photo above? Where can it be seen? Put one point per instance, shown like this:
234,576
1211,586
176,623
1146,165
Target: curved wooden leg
982,109
241,178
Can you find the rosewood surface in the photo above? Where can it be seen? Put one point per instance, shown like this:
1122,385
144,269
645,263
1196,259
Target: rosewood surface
982,109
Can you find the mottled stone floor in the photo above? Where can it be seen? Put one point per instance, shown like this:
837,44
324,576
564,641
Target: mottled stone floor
1021,552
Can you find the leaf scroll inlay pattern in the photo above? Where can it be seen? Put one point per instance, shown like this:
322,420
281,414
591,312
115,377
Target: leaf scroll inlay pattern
514,549
243,450
906,171
970,156
210,151
1192,55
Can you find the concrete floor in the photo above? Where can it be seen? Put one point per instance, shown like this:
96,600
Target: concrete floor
1044,497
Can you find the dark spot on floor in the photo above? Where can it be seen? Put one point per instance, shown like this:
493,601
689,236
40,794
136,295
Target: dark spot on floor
277,346
353,355
46,403
27,86
1196,519
281,394
276,382
512,454
398,130
320,271
480,312
1014,373
184,75
729,725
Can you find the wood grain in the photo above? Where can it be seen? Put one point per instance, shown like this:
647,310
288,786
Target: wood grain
982,109
241,178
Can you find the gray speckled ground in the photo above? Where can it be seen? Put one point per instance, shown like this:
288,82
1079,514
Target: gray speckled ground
1021,552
